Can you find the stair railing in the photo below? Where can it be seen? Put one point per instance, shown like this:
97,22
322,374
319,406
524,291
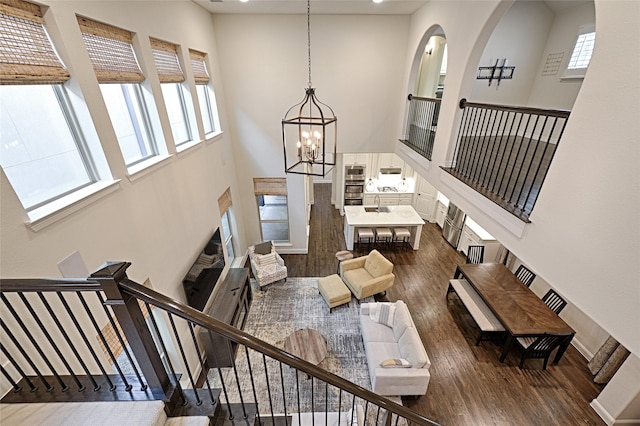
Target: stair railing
422,122
264,382
504,152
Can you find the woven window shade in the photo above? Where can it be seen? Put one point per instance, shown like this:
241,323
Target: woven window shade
199,68
224,202
111,52
26,53
165,56
270,186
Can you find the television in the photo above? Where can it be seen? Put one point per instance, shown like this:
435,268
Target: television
204,273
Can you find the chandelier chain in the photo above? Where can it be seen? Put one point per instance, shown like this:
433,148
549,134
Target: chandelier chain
309,37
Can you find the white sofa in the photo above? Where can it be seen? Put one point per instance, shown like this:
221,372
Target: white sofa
398,341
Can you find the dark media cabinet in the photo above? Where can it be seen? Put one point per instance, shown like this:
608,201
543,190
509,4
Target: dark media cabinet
231,306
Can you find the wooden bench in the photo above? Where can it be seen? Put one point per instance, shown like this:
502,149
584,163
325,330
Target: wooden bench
479,311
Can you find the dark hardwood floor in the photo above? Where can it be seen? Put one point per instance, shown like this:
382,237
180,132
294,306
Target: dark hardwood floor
468,386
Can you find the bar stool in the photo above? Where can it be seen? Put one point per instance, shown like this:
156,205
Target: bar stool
365,234
383,235
343,255
401,235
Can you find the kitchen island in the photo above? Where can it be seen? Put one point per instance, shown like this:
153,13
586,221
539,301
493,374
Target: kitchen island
388,216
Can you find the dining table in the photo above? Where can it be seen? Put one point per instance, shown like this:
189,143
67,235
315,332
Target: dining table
517,307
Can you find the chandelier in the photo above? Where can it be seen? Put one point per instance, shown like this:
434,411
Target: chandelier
309,130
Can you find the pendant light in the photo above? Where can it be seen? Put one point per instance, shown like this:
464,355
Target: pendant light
309,130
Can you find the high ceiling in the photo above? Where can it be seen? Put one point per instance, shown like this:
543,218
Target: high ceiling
342,7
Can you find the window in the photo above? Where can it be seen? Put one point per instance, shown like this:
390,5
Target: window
42,149
119,75
165,56
582,51
273,211
226,213
205,94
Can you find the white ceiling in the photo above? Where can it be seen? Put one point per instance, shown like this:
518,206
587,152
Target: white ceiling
342,7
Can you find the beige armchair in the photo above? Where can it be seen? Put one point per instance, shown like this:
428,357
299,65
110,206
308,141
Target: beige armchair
367,275
266,264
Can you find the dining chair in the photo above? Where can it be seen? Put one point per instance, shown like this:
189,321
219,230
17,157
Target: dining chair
554,301
475,254
525,275
540,347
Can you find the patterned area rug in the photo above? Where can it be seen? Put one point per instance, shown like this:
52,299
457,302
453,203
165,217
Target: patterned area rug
277,311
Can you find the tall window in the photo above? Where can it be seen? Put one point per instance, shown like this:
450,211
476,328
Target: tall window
165,56
119,75
205,94
273,211
582,51
226,216
42,149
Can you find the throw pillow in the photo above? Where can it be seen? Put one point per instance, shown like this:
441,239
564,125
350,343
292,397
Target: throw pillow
395,363
262,248
383,313
266,259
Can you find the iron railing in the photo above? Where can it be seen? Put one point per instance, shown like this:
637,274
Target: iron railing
422,122
505,152
53,357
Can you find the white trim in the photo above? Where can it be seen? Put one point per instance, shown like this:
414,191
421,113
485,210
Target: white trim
586,353
57,210
144,168
187,146
603,413
213,136
502,217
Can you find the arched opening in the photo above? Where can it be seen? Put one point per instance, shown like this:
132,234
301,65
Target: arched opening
433,67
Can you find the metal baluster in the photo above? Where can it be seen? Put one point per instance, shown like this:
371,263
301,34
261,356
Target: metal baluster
424,119
253,386
508,162
26,357
533,157
544,175
13,362
15,386
524,158
515,159
69,342
366,410
127,385
266,376
397,418
458,150
470,143
34,343
476,167
495,151
96,387
284,398
313,409
204,368
116,330
504,150
326,402
340,404
298,392
184,358
167,358
378,415
486,138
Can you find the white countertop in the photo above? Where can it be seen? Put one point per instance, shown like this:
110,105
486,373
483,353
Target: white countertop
398,215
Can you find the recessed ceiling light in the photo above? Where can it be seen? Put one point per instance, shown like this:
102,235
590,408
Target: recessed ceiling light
244,1
377,1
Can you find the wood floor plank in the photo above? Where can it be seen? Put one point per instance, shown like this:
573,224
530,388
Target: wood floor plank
469,386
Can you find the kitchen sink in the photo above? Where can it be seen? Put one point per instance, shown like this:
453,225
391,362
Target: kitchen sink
382,209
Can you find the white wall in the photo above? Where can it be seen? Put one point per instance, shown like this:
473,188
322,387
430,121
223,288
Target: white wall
550,91
520,38
355,68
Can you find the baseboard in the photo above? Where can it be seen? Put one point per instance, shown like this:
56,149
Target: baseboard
586,353
604,414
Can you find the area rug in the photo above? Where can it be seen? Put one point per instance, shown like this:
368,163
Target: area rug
277,311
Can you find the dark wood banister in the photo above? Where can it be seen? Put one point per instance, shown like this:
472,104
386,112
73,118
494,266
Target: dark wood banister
561,113
420,98
176,308
161,301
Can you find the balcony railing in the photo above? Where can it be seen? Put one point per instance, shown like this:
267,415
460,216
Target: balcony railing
505,152
422,122
56,351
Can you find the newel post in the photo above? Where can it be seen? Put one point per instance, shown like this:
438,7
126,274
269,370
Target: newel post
134,327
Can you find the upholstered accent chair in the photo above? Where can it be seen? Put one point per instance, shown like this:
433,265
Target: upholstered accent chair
266,264
367,275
